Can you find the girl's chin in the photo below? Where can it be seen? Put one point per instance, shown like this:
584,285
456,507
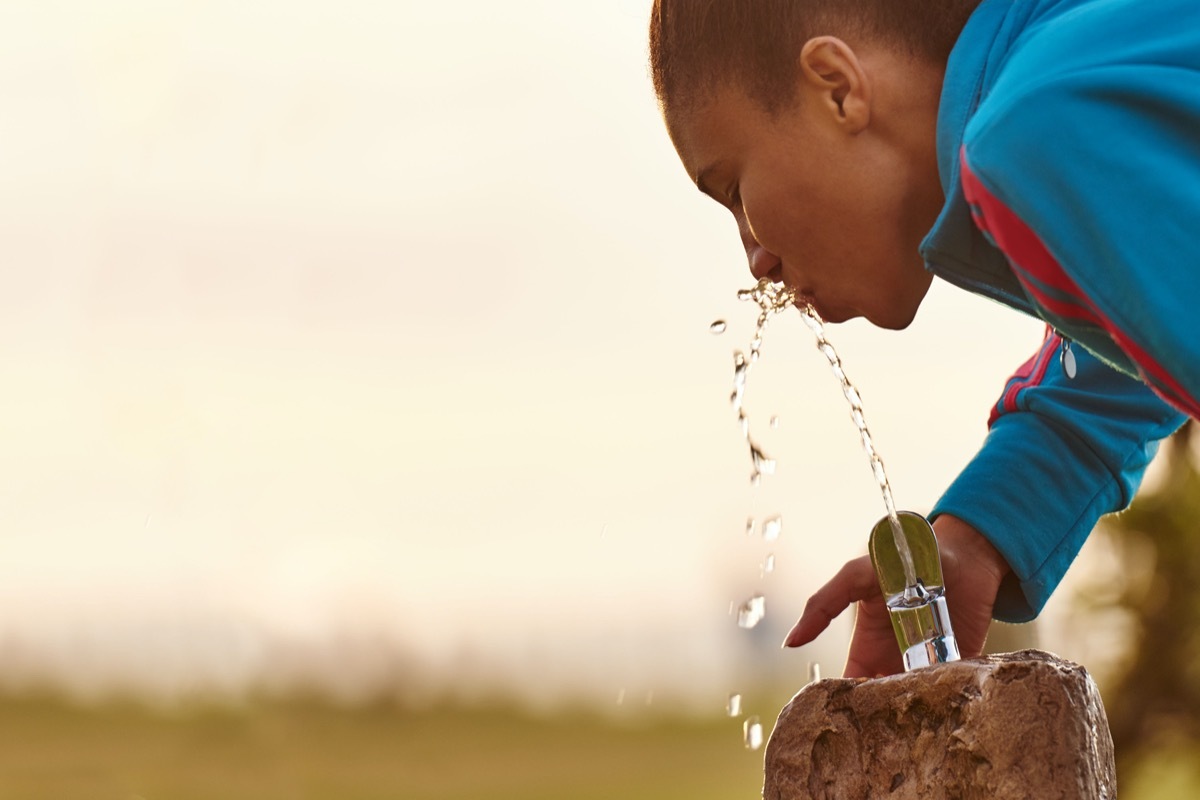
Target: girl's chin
896,319
835,315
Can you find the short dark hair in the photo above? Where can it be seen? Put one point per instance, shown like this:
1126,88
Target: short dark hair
697,46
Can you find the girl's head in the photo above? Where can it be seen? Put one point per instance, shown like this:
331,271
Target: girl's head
814,123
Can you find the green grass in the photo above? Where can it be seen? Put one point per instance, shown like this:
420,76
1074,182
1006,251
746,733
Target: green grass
309,750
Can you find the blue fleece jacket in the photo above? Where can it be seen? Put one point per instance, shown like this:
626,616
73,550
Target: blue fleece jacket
1069,152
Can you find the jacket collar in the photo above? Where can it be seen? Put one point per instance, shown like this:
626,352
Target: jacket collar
954,249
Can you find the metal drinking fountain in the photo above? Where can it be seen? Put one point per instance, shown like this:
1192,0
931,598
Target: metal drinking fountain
917,608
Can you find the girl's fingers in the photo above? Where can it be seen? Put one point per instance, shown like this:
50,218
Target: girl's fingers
855,581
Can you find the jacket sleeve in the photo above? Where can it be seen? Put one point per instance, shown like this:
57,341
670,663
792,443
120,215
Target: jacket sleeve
1083,165
1060,453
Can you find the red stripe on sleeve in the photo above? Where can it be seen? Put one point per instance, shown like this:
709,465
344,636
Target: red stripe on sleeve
1029,374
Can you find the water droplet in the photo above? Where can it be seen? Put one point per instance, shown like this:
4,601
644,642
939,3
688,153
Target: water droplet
753,733
718,327
763,464
733,707
751,612
769,564
814,672
740,369
771,528
749,526
774,422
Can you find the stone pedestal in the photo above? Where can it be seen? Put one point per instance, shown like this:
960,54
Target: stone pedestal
1017,725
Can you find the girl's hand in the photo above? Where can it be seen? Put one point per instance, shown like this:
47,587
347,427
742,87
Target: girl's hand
972,569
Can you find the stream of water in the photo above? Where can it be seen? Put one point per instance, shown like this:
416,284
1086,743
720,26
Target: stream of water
772,299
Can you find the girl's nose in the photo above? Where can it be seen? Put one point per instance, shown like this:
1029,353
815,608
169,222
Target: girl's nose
763,263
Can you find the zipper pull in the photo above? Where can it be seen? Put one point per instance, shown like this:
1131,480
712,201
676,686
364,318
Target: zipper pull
1067,358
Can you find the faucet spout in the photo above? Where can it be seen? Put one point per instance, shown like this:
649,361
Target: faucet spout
920,617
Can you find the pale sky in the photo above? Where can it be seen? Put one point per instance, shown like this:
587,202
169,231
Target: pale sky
382,328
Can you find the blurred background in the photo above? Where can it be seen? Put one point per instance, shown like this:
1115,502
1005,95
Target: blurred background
362,433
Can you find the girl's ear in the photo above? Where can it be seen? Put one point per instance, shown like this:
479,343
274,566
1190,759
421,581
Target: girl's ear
832,75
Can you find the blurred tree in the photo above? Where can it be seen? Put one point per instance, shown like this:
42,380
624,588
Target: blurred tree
1152,696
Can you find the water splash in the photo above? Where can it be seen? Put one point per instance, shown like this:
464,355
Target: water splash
763,464
751,612
814,672
772,299
752,733
768,565
733,706
717,328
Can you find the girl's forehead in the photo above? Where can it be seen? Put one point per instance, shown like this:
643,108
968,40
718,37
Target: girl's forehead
708,130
